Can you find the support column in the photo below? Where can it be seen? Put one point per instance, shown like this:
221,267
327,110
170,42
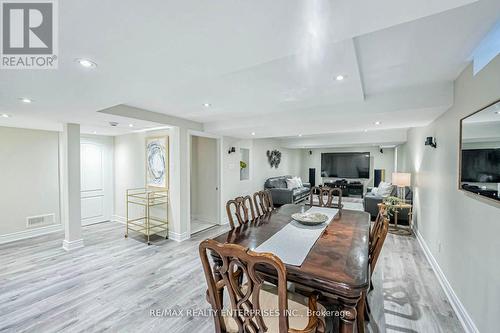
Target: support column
179,189
70,187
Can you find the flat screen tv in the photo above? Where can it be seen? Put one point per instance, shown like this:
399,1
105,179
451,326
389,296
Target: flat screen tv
345,165
481,165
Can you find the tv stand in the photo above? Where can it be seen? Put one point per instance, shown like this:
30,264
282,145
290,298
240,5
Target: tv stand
347,188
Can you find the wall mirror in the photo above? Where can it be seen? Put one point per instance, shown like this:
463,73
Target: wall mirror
480,152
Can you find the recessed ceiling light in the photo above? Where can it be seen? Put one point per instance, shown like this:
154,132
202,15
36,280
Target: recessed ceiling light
365,130
339,77
4,115
207,105
300,134
26,100
378,123
86,63
253,133
95,132
130,125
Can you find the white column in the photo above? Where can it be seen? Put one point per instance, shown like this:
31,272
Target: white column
70,187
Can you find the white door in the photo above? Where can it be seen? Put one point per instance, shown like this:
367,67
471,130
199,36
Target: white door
96,161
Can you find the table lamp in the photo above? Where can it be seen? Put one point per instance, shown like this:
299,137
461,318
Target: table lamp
401,180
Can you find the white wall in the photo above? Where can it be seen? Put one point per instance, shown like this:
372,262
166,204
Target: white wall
260,170
29,176
461,230
204,179
130,168
377,161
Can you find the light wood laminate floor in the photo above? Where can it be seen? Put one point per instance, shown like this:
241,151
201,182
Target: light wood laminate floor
113,283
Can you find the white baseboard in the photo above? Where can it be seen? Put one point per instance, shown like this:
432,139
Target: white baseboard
119,219
72,245
458,307
29,233
178,237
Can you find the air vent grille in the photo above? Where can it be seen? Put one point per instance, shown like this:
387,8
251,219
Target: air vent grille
40,221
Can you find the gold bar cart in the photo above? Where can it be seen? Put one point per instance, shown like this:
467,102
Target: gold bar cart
147,223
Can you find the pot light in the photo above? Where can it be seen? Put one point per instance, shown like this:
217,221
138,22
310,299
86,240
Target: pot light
207,105
365,130
95,132
378,123
4,115
300,134
86,63
130,125
253,133
339,77
26,100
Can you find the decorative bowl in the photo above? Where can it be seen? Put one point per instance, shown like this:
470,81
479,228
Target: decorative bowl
310,218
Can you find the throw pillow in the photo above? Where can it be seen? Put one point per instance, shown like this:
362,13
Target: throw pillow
384,189
291,183
299,182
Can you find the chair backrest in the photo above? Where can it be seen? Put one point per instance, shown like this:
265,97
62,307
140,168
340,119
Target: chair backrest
239,263
378,235
330,193
263,202
241,208
382,214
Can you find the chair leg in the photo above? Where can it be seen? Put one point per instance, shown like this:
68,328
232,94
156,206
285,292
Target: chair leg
367,309
360,309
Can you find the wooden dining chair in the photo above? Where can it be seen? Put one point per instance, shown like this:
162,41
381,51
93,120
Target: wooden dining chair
330,194
240,208
380,230
252,298
377,236
263,202
381,216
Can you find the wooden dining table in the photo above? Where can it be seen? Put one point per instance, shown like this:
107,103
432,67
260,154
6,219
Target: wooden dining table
336,266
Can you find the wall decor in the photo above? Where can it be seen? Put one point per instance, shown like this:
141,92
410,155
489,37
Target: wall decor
157,162
274,158
479,154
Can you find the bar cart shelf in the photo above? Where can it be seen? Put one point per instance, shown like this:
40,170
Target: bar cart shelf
148,204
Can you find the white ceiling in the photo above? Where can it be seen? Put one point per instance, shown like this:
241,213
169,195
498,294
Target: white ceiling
267,67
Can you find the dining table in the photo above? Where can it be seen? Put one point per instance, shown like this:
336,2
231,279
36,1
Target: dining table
336,266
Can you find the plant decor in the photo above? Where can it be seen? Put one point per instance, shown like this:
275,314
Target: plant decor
243,165
391,203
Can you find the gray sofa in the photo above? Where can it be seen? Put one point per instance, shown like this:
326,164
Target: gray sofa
371,202
283,195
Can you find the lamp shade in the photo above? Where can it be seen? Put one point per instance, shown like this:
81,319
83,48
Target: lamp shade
401,179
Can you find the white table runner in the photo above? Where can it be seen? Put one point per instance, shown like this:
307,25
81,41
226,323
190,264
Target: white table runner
295,240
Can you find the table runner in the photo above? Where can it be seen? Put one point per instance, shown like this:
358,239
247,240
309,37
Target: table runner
295,240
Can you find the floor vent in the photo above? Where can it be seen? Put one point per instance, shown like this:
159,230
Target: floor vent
40,221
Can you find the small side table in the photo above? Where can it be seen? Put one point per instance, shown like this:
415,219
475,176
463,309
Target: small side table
397,229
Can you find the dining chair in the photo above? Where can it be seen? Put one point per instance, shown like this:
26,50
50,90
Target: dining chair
377,236
242,208
250,299
330,194
263,202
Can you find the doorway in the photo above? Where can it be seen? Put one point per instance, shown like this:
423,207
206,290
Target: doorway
204,191
96,163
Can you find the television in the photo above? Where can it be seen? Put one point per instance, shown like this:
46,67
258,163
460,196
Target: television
481,165
345,165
